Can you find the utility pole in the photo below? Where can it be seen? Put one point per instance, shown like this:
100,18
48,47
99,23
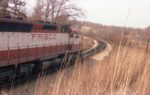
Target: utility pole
148,44
4,3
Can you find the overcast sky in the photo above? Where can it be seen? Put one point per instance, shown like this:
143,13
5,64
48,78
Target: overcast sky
115,12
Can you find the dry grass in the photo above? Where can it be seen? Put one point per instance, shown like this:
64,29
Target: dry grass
126,71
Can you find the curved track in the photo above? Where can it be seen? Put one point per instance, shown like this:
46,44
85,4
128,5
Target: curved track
98,47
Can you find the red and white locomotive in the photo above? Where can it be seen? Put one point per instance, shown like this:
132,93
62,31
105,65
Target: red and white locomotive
24,43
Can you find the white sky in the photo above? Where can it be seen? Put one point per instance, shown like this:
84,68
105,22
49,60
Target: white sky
114,12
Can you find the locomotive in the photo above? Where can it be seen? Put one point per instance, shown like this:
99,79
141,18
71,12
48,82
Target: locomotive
28,47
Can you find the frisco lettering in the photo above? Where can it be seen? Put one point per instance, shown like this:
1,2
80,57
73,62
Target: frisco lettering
43,36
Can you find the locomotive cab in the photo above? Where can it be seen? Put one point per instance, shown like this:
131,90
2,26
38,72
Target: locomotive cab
73,37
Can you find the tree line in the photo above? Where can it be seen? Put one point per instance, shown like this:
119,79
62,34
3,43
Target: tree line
113,33
46,10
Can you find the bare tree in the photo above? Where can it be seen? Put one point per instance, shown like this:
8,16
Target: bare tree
64,9
13,6
57,10
17,4
38,10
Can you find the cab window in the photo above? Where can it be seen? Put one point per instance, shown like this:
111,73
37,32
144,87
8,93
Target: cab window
15,27
65,28
50,27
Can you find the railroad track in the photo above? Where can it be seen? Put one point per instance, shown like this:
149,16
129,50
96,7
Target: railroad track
98,47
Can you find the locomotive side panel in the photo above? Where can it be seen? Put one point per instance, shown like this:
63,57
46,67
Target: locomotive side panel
23,47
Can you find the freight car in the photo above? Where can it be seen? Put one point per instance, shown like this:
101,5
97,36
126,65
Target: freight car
28,47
